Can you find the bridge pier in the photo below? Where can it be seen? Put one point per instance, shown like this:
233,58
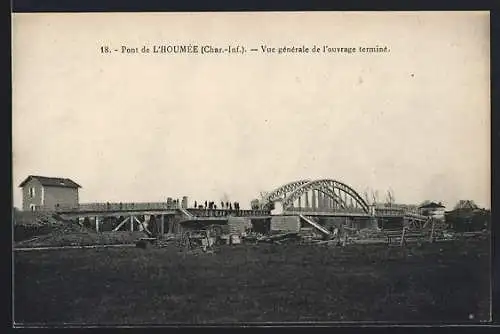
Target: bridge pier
162,225
91,222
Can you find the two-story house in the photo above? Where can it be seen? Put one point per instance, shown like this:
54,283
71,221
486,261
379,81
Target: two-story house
41,193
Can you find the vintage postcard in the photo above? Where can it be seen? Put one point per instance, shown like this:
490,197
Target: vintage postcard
251,168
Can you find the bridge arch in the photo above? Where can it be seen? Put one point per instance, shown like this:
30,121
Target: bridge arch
280,192
331,188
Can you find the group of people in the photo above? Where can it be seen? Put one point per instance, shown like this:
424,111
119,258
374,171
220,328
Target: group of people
339,234
210,205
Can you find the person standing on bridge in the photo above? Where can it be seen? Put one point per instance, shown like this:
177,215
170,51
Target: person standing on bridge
195,204
221,204
205,205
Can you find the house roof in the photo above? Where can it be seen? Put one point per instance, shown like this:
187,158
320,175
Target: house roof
431,205
466,204
52,181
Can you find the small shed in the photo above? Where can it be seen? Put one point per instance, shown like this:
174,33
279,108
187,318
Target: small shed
433,209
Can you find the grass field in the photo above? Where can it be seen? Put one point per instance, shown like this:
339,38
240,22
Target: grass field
442,282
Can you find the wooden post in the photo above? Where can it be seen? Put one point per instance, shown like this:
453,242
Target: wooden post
432,231
131,223
403,237
162,225
97,223
171,227
144,227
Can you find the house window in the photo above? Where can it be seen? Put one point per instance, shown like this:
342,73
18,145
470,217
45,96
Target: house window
32,192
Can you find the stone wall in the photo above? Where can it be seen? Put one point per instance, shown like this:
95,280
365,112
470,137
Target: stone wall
285,223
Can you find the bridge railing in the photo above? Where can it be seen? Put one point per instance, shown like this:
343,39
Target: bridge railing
103,207
386,212
227,212
400,207
326,210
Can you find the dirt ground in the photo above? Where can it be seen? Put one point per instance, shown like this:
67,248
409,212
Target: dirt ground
441,282
85,238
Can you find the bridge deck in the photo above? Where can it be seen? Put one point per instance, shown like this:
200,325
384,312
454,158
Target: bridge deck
160,208
226,213
163,208
83,214
378,214
112,207
324,213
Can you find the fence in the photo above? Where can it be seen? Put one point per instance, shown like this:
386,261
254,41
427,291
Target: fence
102,207
332,210
227,212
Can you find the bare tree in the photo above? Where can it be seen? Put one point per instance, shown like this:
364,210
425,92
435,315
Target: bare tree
425,202
365,196
225,198
255,204
390,197
263,195
466,204
375,196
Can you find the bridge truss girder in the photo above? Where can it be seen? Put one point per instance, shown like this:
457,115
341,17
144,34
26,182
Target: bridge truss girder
280,192
327,187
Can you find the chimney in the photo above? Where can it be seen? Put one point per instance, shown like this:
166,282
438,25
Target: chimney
184,202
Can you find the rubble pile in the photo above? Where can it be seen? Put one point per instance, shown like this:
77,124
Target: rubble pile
252,236
369,233
29,225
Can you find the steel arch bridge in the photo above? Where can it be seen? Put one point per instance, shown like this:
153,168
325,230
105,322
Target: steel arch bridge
326,195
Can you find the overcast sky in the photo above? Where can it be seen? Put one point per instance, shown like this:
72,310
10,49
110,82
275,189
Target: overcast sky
144,127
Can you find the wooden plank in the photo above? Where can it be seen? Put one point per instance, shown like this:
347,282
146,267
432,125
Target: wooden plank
403,237
432,231
143,226
121,224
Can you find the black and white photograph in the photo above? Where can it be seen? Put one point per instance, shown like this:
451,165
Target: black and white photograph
251,168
